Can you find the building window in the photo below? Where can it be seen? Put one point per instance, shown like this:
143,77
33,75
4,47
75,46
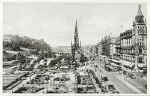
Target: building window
140,51
140,60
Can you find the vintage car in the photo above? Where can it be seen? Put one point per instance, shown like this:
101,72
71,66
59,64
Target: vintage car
109,88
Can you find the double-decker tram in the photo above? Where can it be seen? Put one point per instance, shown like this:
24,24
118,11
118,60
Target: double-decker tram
113,65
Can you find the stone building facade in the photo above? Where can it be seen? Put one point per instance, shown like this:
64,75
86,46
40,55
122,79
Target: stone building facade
107,47
133,42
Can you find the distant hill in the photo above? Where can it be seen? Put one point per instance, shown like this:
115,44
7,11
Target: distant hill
15,42
14,45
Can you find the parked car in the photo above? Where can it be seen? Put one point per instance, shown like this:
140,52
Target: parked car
108,87
104,78
131,75
112,89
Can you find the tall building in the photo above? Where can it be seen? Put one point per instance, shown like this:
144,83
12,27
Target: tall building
133,42
99,45
106,41
127,47
140,38
76,45
107,47
117,47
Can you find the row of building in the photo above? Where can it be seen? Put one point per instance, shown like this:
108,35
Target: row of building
130,46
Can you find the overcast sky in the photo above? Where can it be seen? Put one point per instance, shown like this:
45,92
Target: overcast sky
54,22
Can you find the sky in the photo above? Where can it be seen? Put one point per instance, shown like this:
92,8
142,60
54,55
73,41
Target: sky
55,22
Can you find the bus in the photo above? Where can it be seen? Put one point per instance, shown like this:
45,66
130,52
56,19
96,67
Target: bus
113,65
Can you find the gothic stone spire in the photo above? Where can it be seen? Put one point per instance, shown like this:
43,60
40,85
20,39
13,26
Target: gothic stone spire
76,38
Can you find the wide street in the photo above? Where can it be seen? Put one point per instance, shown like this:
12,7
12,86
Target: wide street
123,84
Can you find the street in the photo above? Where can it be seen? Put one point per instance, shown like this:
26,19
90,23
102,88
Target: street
122,83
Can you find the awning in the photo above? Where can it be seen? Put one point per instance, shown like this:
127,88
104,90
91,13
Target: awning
142,65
